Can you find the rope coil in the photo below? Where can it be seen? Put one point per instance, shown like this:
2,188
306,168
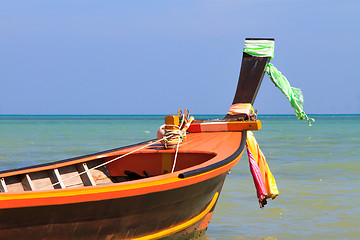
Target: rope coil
174,137
176,133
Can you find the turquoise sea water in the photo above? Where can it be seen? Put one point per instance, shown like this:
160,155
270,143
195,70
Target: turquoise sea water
317,169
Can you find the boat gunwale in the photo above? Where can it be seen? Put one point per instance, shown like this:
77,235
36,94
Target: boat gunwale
115,152
105,192
123,189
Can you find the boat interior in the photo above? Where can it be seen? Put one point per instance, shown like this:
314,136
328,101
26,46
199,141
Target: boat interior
99,170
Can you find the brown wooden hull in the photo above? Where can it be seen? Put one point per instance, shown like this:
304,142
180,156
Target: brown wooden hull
122,218
172,205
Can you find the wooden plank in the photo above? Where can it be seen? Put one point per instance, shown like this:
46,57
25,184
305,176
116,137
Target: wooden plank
56,178
70,176
3,187
85,176
14,184
235,126
41,180
100,174
27,183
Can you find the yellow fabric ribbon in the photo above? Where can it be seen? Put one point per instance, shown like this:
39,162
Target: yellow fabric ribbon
263,179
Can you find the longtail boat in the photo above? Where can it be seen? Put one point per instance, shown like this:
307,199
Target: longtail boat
164,188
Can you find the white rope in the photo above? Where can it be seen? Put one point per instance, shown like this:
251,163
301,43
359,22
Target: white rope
103,164
176,153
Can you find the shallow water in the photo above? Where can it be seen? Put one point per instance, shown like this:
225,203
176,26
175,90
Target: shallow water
316,168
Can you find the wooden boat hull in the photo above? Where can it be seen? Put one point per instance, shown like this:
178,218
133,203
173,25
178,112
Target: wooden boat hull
141,216
167,206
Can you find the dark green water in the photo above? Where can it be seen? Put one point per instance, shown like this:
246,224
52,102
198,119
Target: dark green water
316,168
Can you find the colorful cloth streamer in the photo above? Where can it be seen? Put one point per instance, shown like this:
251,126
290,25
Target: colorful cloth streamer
294,95
265,48
263,179
261,48
244,108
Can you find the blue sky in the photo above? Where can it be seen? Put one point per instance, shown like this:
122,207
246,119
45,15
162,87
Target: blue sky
153,57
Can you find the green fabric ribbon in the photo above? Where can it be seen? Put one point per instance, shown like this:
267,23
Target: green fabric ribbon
260,48
294,95
265,48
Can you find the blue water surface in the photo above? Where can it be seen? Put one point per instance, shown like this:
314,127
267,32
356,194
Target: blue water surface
316,168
